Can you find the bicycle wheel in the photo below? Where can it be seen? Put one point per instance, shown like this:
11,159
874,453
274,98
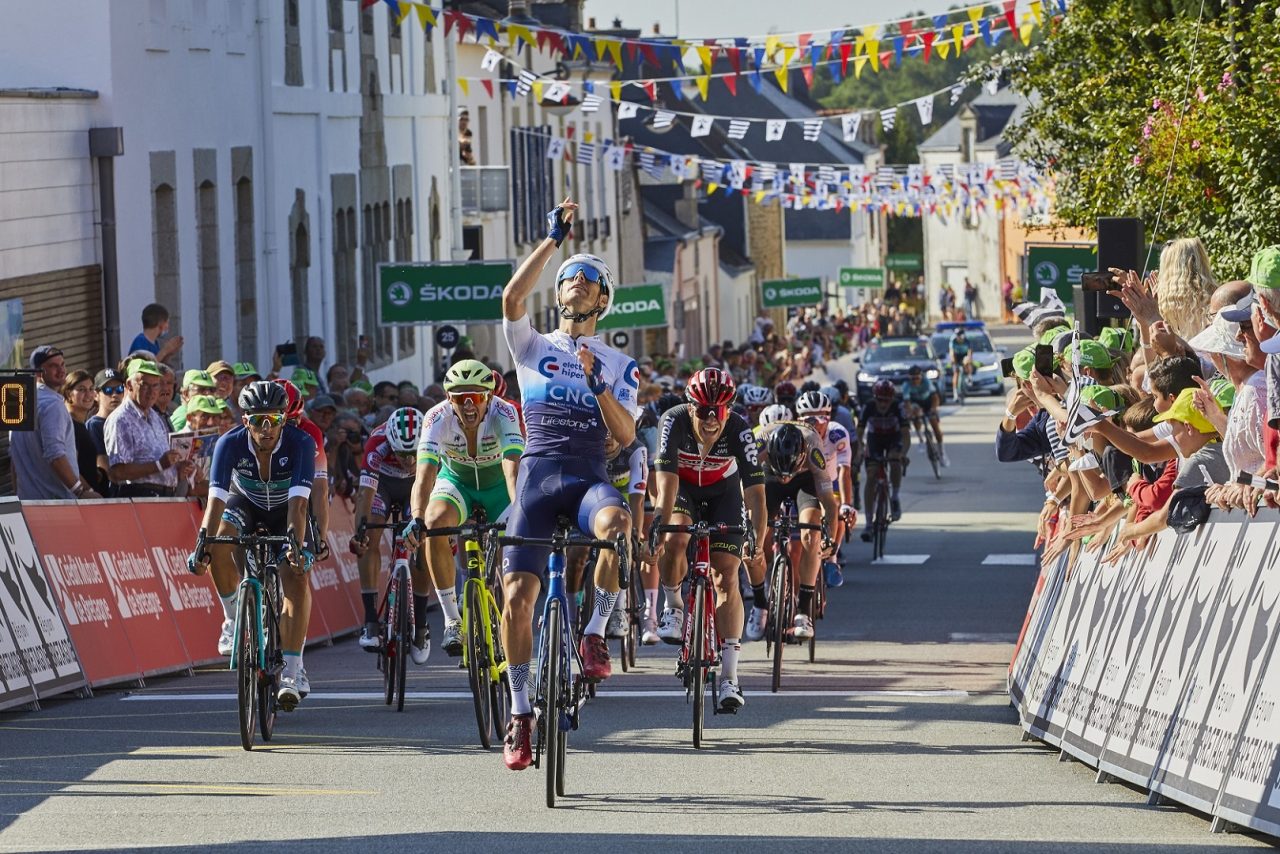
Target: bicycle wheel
269,680
478,662
386,655
780,586
247,665
404,637
931,447
815,611
881,521
499,686
551,678
696,668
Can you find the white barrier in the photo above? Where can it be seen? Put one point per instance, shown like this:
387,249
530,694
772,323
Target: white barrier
1161,670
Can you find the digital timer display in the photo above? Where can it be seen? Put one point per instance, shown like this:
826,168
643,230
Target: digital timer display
17,401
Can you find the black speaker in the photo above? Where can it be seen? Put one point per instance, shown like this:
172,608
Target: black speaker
1120,245
1086,304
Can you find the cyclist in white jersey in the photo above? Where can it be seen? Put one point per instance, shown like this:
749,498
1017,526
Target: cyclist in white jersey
814,409
574,389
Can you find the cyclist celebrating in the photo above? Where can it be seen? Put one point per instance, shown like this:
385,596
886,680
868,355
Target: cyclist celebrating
814,409
575,389
922,399
795,468
467,456
386,481
261,475
707,468
887,429
959,350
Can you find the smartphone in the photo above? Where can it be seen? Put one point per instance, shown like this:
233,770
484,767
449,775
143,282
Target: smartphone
1006,367
288,353
1044,359
1092,281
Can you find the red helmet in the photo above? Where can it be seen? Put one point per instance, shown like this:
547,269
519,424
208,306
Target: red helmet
884,390
499,384
294,409
710,387
784,392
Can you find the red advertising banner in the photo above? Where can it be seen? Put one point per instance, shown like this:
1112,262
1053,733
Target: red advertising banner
169,534
341,528
87,601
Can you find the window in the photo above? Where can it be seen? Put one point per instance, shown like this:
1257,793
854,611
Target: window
292,45
966,147
164,242
344,285
335,16
376,226
337,52
300,267
246,276
402,248
532,181
208,273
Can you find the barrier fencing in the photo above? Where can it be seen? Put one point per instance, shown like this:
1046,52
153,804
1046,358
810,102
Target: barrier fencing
97,593
1161,669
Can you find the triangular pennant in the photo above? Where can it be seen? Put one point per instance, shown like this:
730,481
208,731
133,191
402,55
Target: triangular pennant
782,74
957,36
491,60
806,71
858,63
488,28
899,42
975,12
537,91
845,50
928,36
1011,15
1027,28
615,90
517,33
756,82
627,110
464,86
401,10
488,86
944,49
770,48
888,117
1037,11
704,55
614,49
702,83
651,89
426,16
731,83
677,93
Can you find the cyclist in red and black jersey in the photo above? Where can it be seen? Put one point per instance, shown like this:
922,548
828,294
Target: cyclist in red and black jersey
706,466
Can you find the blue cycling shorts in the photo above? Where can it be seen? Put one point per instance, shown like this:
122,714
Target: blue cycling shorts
548,487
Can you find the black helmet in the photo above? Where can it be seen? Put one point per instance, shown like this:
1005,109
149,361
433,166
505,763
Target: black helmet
785,451
810,385
263,396
669,400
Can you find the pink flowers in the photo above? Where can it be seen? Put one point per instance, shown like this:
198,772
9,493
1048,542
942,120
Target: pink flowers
1137,160
1156,104
1200,94
1227,81
1195,145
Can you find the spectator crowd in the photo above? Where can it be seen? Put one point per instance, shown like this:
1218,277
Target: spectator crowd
1151,424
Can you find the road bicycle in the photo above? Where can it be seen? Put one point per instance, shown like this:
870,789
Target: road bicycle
482,652
699,659
631,604
784,599
560,690
924,431
395,613
257,657
879,509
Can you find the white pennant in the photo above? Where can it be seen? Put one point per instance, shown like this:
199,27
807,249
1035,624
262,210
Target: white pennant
627,109
701,126
888,117
556,92
491,60
850,125
956,91
773,130
993,85
812,130
925,107
663,118
555,149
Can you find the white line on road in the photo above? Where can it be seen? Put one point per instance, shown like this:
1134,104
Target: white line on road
900,560
1025,559
982,637
466,695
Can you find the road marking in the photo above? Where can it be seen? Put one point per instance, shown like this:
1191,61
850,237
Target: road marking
983,637
1023,559
193,788
900,560
456,695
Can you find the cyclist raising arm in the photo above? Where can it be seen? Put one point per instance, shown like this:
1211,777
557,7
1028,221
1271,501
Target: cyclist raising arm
574,389
261,475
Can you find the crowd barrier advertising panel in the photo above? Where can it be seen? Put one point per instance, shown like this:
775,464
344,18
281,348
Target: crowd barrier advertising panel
86,599
347,570
1037,624
169,534
33,618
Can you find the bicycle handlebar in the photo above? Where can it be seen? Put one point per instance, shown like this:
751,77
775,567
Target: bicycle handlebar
252,540
699,527
556,542
471,528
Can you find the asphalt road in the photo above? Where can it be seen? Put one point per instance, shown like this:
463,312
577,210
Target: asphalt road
899,738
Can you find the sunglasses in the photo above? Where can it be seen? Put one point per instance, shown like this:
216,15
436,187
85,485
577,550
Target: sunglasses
261,420
477,398
709,413
816,419
112,389
588,271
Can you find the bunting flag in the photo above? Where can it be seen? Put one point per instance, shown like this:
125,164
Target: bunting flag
1031,314
663,119
813,130
555,149
615,156
628,110
491,60
738,128
957,91
849,126
888,117
773,130
701,126
556,93
925,107
586,153
591,103
524,83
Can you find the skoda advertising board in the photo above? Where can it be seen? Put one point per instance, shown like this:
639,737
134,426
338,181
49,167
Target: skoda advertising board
469,291
778,293
636,307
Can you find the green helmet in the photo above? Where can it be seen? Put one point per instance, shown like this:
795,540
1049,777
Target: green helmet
469,372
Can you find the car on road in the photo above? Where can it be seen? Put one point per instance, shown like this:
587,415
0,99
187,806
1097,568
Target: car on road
986,376
891,359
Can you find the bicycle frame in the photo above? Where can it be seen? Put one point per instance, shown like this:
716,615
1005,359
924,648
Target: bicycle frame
477,578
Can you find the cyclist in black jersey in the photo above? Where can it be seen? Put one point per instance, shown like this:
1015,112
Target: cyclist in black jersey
707,467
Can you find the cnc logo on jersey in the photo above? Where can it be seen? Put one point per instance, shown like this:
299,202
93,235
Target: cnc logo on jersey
284,461
549,367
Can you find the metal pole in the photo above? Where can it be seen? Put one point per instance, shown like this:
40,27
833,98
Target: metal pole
455,161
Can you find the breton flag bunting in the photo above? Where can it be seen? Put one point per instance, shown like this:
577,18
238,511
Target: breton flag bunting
738,128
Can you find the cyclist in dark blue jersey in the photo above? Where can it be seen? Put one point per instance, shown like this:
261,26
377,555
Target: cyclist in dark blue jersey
261,476
575,390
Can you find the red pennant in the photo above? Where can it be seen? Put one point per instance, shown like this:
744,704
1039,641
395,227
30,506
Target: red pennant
631,51
650,89
807,71
845,49
735,59
968,42
488,86
1011,16
697,184
839,204
646,50
732,84
745,191
886,58
449,18
746,173
906,27
568,132
804,41
365,4
543,38
928,44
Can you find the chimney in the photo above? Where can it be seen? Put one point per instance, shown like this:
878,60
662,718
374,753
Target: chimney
687,207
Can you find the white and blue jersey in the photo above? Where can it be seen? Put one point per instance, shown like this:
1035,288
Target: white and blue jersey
561,415
235,469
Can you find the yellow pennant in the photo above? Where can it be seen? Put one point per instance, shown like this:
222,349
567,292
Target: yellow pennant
859,45
1027,28
464,86
702,84
759,196
788,53
975,12
426,17
944,49
613,48
704,54
405,10
615,89
588,136
517,33
712,187
1037,11
873,53
858,64
957,36
537,91
770,46
783,75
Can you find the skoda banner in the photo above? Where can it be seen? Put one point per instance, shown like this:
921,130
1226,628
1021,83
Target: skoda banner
785,292
1058,267
431,292
636,306
861,277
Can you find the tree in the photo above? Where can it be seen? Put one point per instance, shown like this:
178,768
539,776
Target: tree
1148,109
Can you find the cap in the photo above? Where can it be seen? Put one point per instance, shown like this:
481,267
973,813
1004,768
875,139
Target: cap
1185,411
363,385
1101,398
1223,392
322,401
244,370
1092,354
1241,311
144,366
1062,341
1117,339
207,404
303,377
106,377
1024,362
42,354
219,366
1049,335
1264,272
1219,337
198,378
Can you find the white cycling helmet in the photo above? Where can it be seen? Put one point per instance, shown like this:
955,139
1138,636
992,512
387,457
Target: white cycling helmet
776,412
402,429
812,402
754,395
602,274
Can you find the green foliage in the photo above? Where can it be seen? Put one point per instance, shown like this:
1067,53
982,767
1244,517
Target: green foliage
1142,104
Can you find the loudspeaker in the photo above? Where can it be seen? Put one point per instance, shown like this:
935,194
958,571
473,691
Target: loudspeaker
1086,303
1120,245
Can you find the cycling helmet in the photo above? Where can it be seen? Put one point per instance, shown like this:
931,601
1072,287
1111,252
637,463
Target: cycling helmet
884,390
809,385
499,384
776,412
590,264
784,392
263,396
469,372
755,395
668,401
842,386
785,451
812,402
294,409
402,429
710,387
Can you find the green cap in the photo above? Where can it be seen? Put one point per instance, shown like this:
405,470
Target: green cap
144,366
1117,339
207,404
1053,333
244,370
1223,392
197,377
1265,270
364,385
1101,398
1092,354
304,377
1024,362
